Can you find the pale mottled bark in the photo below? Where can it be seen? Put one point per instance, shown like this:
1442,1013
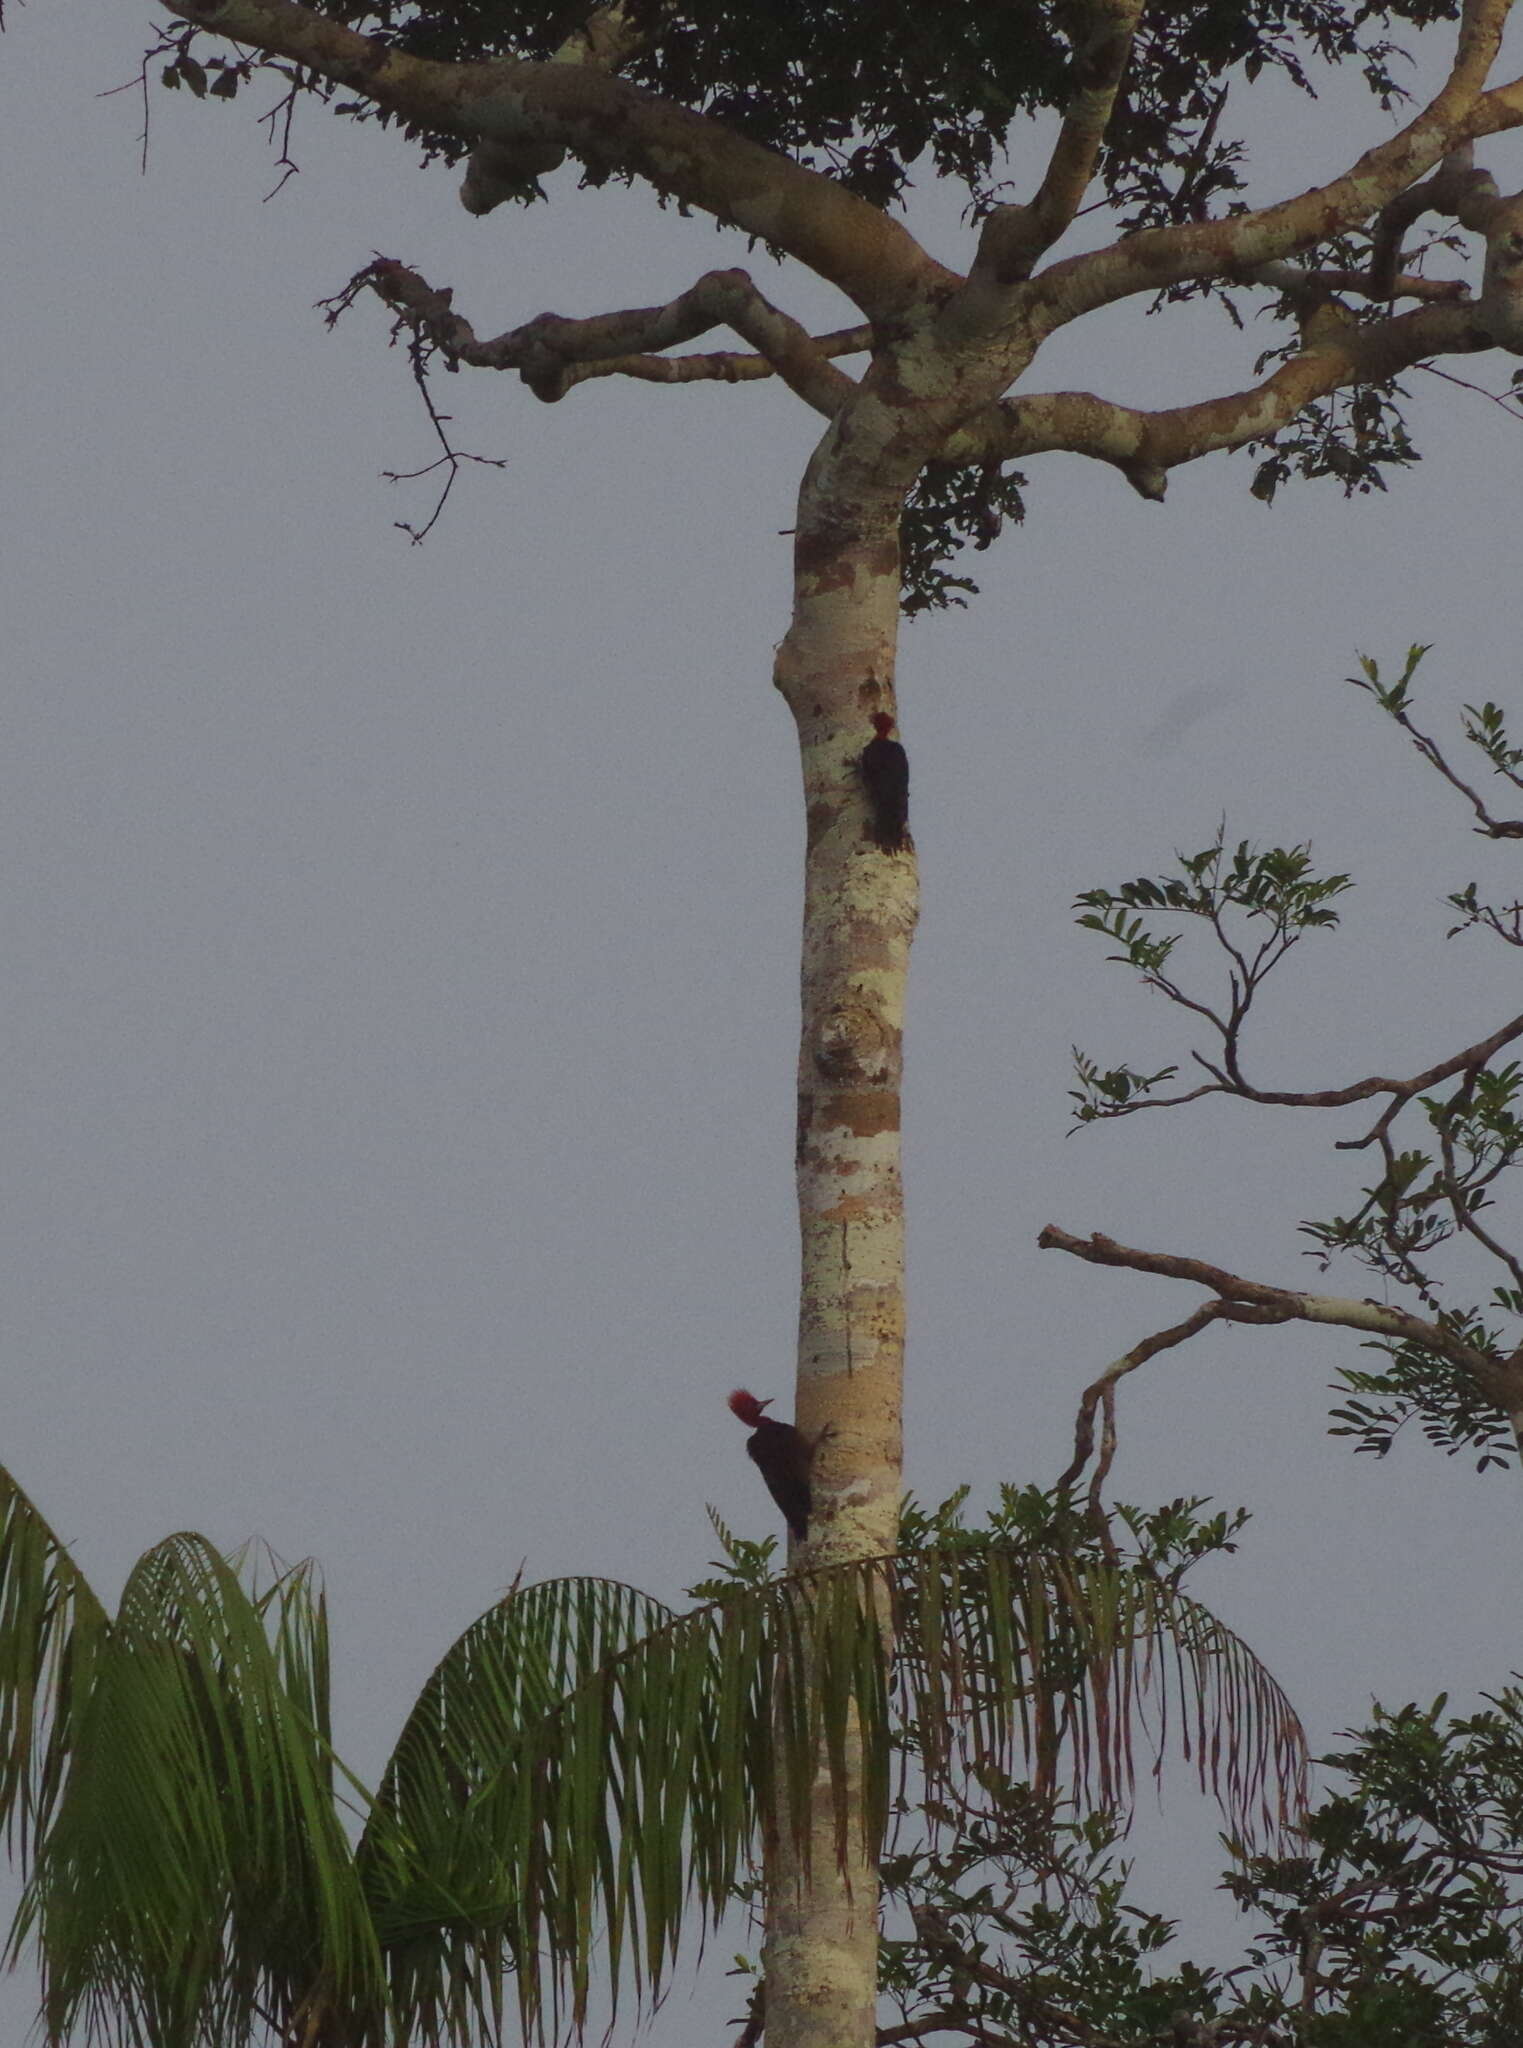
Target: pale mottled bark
820,1954
835,668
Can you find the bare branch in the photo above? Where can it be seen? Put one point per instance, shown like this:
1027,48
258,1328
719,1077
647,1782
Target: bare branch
1101,1393
1240,1300
1508,400
452,461
552,354
1469,1060
1294,282
718,366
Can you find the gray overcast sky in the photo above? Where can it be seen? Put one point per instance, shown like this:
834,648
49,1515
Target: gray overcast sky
400,943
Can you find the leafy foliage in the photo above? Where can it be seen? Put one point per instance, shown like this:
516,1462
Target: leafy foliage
947,507
1353,437
1460,1122
1018,1927
1256,903
1403,1920
868,94
1396,1923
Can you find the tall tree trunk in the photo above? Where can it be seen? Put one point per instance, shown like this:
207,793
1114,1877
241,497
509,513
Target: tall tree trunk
836,668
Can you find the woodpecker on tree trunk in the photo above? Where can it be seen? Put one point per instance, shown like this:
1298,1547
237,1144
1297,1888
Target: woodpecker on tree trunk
885,768
783,1456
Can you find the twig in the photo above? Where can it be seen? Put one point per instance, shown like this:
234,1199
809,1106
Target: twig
1101,1393
1507,400
453,458
756,2017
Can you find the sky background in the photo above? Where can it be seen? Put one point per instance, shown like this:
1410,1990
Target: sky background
400,944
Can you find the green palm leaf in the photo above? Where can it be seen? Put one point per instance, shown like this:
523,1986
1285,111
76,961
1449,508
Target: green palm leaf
189,1876
585,1766
51,1627
581,1778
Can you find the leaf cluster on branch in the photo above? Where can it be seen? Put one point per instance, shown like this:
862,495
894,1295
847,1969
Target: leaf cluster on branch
1445,1138
917,91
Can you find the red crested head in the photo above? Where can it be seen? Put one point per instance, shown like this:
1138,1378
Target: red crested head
747,1407
883,724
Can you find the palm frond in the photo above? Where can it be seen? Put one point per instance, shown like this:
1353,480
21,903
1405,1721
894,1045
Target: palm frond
585,1766
455,1833
195,1880
584,1774
51,1627
1010,1657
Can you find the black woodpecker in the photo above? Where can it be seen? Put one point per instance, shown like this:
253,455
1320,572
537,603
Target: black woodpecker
886,777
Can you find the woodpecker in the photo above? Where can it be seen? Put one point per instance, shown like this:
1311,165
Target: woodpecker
782,1454
885,769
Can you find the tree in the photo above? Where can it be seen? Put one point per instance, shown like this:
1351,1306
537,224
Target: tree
1445,1137
706,105
1394,1921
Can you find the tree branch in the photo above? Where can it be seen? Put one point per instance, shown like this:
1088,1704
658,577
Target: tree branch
552,353
498,171
1472,198
1145,446
1296,282
715,366
755,2025
1099,67
1491,827
1014,237
1101,1393
605,121
1158,257
1500,1380
1469,1060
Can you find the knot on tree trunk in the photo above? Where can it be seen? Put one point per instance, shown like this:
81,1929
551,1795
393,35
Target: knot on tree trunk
851,1044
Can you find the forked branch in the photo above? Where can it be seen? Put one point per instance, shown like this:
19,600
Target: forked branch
1145,446
1241,243
552,353
1498,1379
1015,236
